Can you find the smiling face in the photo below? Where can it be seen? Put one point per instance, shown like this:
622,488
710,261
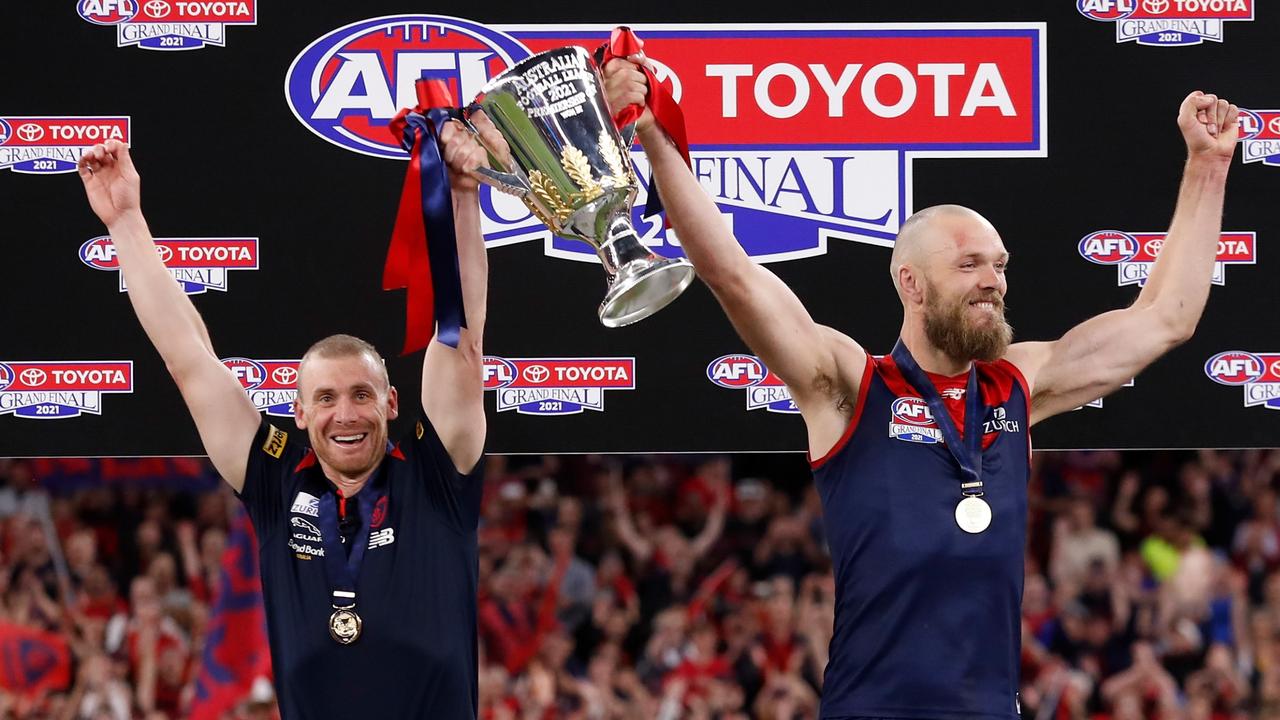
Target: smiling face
951,272
344,404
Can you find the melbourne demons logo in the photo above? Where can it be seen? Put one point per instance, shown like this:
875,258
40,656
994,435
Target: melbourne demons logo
272,385
48,145
801,133
58,390
198,264
1260,134
1133,253
1167,23
913,421
169,24
556,386
1258,373
746,372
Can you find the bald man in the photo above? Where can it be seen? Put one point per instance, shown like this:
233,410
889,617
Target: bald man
926,521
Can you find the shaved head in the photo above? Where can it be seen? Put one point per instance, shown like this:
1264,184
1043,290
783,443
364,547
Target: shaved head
922,232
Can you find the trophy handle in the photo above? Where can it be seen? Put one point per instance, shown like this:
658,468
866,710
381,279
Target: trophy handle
507,182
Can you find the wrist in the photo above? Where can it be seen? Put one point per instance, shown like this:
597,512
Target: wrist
1212,165
128,221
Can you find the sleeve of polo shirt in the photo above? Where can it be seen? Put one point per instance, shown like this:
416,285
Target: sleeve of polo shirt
456,494
272,458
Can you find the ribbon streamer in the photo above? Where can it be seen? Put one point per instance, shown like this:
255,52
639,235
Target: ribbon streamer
423,256
623,43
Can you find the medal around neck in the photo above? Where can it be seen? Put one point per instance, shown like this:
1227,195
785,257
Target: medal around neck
345,626
973,514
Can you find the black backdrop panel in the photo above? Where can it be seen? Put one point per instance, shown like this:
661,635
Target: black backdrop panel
260,157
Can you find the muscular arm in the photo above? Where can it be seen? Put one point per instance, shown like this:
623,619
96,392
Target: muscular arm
452,380
224,416
1104,352
821,367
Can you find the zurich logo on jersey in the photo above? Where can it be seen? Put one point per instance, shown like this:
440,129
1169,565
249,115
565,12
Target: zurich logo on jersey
347,85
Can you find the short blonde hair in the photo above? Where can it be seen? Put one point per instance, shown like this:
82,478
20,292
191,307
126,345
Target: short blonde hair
338,346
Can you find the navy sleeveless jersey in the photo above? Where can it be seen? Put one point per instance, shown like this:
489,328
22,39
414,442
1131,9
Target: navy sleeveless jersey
416,592
927,618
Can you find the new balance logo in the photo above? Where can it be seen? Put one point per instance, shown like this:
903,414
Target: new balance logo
385,536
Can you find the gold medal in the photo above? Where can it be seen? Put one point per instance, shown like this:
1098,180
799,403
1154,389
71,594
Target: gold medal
345,625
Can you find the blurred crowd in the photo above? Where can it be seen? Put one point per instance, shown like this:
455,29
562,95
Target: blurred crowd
641,587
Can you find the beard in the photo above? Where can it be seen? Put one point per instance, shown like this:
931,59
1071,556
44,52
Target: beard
951,329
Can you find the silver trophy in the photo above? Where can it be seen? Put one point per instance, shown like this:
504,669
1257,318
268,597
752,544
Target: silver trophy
572,170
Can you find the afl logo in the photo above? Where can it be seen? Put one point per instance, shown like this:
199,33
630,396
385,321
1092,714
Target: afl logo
250,373
6,376
5,131
347,85
1234,367
1251,124
736,371
1108,247
1106,10
498,373
107,12
912,411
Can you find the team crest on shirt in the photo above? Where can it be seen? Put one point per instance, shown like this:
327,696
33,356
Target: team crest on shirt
913,422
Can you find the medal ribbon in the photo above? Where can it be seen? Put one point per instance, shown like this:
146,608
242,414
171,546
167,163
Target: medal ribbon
340,568
423,256
967,453
623,42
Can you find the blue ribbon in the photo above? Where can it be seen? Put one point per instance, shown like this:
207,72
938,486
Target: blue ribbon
437,220
967,452
342,568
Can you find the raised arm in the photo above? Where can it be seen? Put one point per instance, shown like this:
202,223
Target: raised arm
1101,354
453,380
224,416
821,367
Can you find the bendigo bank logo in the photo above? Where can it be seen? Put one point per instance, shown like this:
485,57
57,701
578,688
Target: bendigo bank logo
169,24
57,390
272,385
198,264
1133,253
1167,23
556,386
802,133
1257,373
747,372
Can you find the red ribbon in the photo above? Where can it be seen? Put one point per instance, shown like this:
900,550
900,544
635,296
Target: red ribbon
623,43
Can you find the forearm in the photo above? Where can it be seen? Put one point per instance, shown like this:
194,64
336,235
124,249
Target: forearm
473,261
164,311
703,233
1178,286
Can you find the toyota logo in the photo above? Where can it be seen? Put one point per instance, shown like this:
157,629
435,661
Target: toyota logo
1275,368
1155,7
1153,246
157,8
33,377
1274,125
285,375
165,252
537,374
30,132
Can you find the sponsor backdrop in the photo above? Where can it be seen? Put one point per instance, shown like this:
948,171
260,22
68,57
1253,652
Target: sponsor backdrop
271,184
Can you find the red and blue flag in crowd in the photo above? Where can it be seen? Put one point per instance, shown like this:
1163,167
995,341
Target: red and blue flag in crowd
235,651
33,660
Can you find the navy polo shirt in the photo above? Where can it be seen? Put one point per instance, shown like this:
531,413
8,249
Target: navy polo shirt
416,591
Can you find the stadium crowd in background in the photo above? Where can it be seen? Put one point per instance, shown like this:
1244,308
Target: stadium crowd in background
645,587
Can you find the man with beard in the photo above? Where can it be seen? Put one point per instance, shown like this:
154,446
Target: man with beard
368,549
926,522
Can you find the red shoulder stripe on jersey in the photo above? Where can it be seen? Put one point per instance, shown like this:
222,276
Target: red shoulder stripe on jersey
307,461
1017,375
867,374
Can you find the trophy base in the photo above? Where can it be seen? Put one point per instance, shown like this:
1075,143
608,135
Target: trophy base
636,295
